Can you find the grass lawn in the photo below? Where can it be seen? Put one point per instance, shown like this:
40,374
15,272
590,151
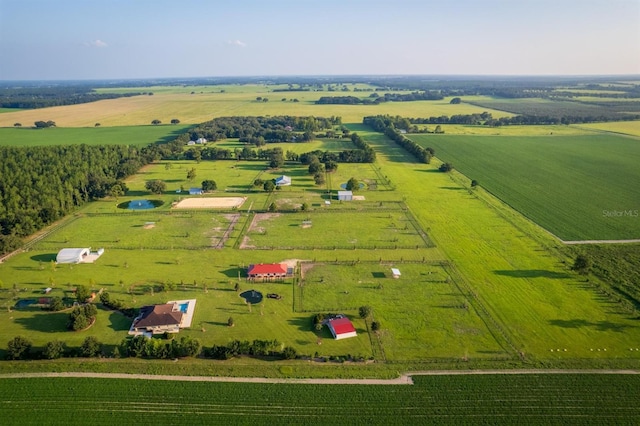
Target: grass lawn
564,183
124,135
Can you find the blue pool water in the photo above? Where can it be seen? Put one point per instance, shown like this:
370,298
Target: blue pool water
183,307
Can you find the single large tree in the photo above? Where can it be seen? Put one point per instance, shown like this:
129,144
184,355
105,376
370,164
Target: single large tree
191,174
155,186
353,184
209,185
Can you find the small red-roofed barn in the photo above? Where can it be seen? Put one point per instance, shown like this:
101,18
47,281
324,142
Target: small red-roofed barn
341,328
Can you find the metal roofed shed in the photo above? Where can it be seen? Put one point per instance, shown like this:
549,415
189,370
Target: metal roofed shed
395,272
72,255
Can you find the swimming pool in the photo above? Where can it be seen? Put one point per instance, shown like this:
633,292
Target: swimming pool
183,307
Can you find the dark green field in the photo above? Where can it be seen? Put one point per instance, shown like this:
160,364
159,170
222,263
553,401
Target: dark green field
484,399
125,135
577,187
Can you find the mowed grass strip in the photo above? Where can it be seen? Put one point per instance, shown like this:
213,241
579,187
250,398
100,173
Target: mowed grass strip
578,187
124,135
495,399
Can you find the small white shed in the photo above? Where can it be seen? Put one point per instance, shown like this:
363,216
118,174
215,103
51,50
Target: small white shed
345,195
395,272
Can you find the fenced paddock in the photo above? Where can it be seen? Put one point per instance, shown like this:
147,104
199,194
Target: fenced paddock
392,229
420,310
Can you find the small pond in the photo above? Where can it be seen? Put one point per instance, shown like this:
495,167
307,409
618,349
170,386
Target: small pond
252,296
140,204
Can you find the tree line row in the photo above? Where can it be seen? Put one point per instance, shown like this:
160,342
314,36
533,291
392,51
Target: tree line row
386,124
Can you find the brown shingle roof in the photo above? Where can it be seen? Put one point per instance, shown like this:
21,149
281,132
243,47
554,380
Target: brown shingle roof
158,315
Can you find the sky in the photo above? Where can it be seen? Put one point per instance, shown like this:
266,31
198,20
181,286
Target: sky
122,39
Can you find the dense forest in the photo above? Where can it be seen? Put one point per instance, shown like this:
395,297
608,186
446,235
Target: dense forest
31,97
42,184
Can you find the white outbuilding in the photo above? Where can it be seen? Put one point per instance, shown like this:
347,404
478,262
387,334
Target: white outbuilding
345,195
72,255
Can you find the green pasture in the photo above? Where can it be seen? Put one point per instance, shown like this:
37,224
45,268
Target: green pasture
468,399
423,314
515,271
331,228
4,110
565,184
124,135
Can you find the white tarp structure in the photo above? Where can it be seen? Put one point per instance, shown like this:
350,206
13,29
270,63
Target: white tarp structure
283,181
72,255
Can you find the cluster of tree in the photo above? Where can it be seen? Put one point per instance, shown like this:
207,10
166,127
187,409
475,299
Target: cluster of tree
385,124
20,348
82,316
251,129
142,347
257,348
43,124
44,97
116,304
40,185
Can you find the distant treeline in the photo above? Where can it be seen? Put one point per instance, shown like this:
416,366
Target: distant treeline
29,97
387,125
40,185
375,98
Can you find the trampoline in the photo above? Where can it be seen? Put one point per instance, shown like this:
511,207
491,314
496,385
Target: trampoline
252,296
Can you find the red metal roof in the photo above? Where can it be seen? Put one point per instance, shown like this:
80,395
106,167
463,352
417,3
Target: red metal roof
342,325
268,268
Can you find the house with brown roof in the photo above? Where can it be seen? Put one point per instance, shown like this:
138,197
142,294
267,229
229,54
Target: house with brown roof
165,318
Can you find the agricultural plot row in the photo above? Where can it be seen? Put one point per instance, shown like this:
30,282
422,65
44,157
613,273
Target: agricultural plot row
575,187
495,399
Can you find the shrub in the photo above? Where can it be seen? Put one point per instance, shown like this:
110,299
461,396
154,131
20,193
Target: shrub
18,348
53,350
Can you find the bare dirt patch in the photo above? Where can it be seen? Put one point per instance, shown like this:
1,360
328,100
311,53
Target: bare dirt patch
210,203
259,217
233,220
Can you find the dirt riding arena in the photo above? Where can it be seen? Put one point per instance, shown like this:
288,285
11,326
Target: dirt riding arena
210,203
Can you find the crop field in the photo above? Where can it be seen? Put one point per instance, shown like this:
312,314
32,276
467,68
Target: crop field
575,187
626,127
552,108
189,108
494,399
422,310
125,135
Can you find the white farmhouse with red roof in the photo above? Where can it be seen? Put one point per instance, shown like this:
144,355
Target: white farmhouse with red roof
267,271
341,328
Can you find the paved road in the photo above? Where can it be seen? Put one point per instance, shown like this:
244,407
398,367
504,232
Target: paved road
405,379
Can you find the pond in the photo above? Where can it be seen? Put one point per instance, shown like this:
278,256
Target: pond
140,204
